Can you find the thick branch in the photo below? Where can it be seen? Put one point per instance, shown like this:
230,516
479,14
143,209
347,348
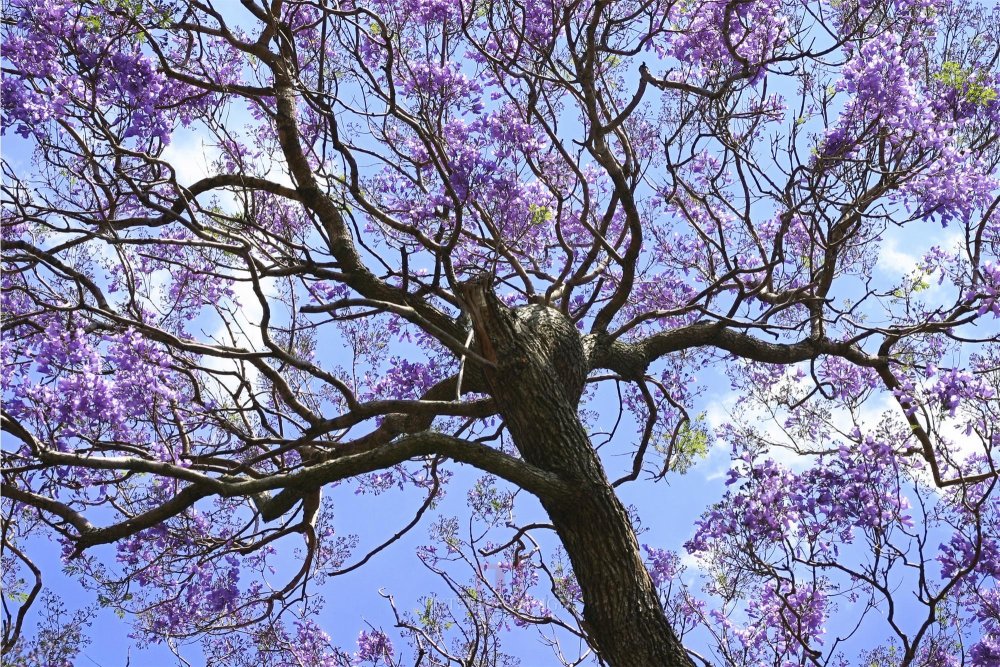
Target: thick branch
61,510
517,472
630,360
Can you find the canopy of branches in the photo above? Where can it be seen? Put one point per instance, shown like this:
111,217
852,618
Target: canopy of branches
270,259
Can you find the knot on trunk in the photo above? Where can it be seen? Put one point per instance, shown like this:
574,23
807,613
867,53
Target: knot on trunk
525,340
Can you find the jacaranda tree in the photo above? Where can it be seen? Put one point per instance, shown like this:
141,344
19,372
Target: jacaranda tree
492,245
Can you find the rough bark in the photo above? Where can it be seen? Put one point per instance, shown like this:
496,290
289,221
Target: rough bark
539,367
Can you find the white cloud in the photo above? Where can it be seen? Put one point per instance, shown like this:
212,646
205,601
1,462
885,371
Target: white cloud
894,260
279,172
190,156
903,249
239,327
694,566
724,409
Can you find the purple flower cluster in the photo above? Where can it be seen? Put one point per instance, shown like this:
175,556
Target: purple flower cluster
961,551
857,488
950,388
417,12
446,84
374,648
663,565
114,72
786,619
36,53
87,384
760,511
882,87
905,394
846,380
518,578
190,274
954,385
986,652
885,95
491,504
481,159
200,593
988,292
311,646
661,291
756,30
404,379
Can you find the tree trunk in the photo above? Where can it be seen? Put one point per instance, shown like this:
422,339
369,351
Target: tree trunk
537,380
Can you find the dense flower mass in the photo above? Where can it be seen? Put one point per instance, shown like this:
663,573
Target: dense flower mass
856,489
84,386
374,647
720,38
885,97
988,295
285,284
109,69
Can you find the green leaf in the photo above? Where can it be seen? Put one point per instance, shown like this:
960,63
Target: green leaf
540,214
965,81
690,445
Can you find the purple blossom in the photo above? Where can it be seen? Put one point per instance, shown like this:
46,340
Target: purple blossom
374,647
986,652
847,380
884,92
767,503
756,31
955,385
663,565
123,78
988,293
312,647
